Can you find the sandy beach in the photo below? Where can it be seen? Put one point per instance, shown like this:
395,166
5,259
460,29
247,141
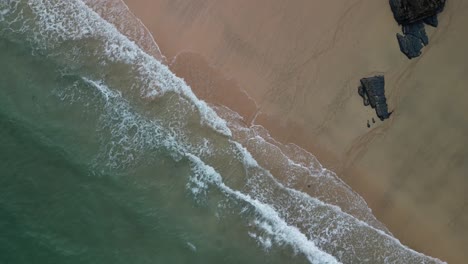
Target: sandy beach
294,68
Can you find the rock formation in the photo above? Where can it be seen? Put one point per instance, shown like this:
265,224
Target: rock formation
411,11
410,45
364,95
432,21
417,30
412,14
372,90
413,40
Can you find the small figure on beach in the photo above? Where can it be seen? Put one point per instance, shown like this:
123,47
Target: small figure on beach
368,124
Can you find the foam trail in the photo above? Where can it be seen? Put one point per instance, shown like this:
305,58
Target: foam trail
280,224
103,89
203,175
296,168
192,246
271,222
286,203
119,15
315,228
275,219
57,22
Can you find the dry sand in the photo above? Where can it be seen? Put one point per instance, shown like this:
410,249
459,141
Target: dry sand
294,67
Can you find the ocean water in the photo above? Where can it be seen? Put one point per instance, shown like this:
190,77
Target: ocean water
107,157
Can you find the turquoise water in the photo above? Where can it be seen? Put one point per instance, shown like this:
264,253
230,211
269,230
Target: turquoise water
107,157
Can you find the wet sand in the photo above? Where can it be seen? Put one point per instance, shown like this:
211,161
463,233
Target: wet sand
294,67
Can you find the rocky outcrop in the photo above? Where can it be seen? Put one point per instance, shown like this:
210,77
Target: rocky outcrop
410,45
412,14
432,21
418,31
372,90
413,40
411,11
364,95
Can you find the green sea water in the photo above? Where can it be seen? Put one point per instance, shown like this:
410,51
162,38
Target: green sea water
57,205
107,157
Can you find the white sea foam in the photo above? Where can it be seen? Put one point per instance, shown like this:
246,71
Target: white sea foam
308,205
119,15
269,220
103,89
57,22
192,246
203,175
3,12
276,223
294,196
297,168
131,133
286,216
249,161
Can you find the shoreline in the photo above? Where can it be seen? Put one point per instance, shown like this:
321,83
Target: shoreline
228,54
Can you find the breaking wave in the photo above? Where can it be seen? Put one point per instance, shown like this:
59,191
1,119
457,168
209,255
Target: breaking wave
145,108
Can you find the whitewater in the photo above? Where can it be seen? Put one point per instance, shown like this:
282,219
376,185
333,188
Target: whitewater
145,110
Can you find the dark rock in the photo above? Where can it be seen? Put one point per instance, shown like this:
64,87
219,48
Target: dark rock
417,30
363,95
412,14
410,11
432,21
410,45
374,89
413,40
361,91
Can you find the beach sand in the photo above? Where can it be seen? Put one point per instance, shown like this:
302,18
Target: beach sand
294,68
